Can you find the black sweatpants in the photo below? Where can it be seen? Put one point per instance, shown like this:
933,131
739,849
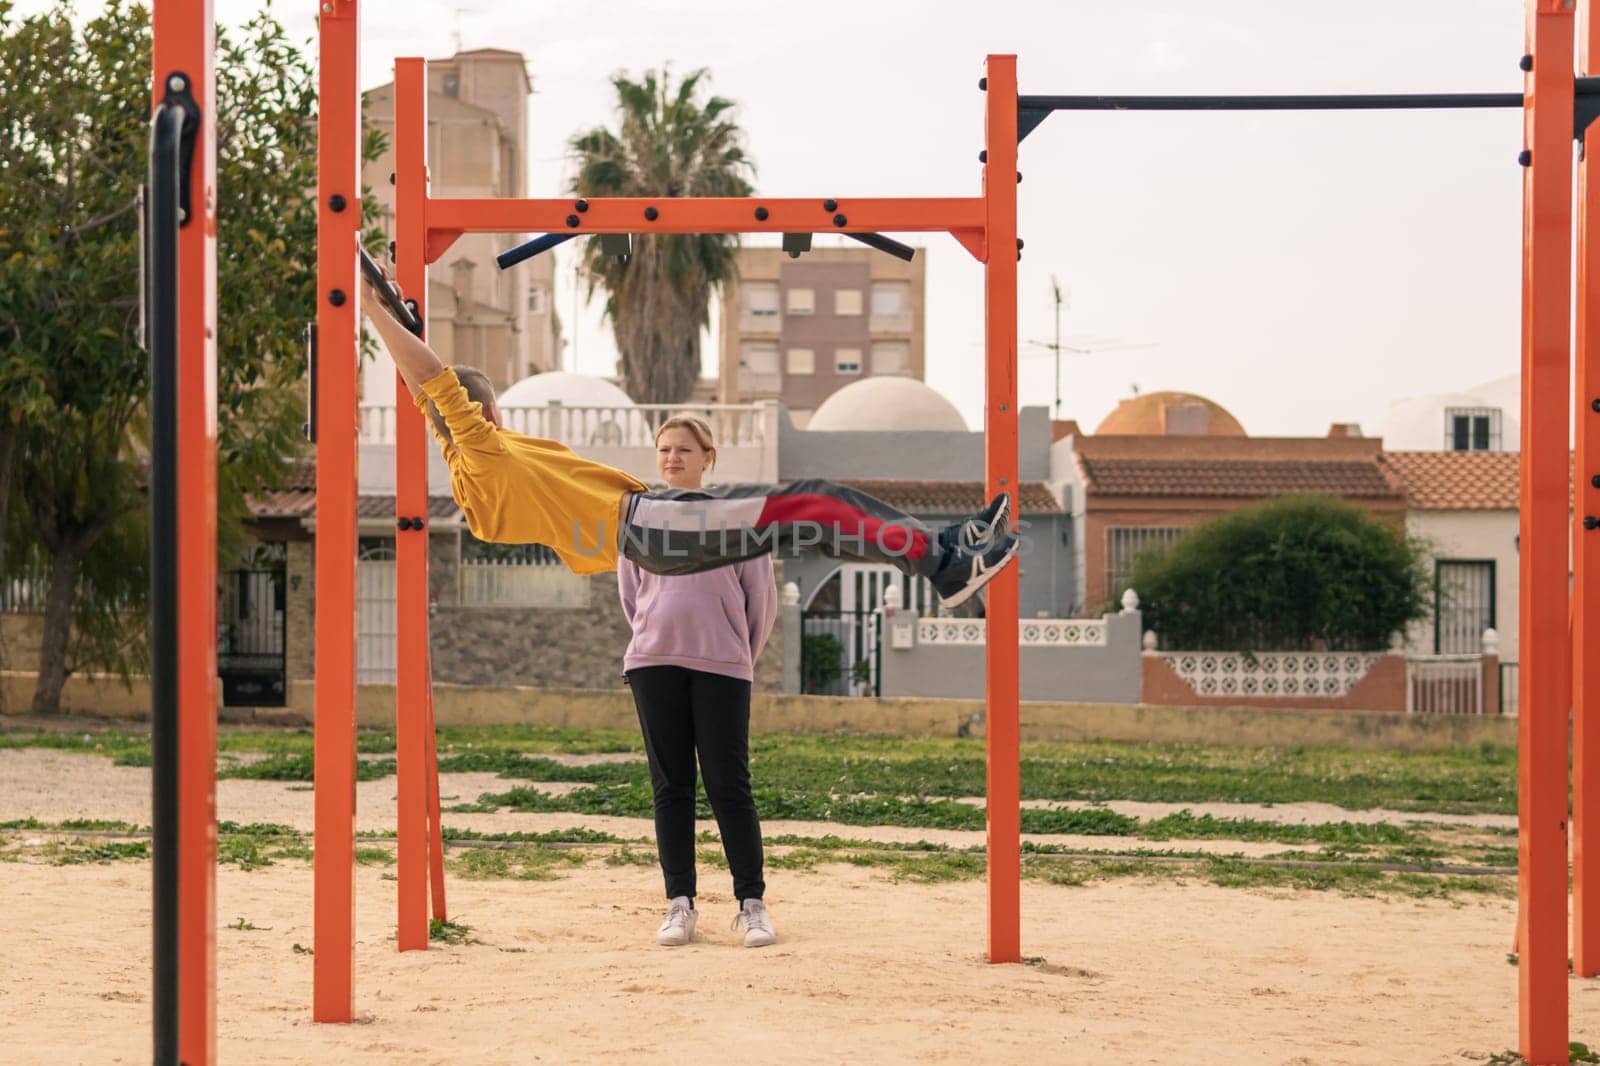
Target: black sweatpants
683,711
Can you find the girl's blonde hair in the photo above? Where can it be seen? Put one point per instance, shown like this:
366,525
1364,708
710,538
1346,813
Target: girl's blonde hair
698,428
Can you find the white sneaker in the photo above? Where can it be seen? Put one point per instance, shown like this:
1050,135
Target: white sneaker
756,921
678,929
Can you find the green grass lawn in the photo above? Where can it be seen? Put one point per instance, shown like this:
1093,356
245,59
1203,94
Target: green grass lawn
913,783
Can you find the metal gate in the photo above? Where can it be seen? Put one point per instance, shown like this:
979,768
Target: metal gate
839,631
840,653
1444,684
250,638
375,614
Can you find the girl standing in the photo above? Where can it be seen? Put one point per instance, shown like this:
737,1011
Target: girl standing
696,638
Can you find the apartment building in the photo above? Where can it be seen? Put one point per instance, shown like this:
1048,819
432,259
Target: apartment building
501,321
797,330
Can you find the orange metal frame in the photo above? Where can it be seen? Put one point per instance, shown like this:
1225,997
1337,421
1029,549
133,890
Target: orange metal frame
985,225
1544,676
1552,677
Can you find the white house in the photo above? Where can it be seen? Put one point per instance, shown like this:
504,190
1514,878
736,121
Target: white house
1463,506
1484,418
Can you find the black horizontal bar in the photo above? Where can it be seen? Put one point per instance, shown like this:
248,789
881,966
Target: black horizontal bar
885,244
528,249
1332,102
1281,102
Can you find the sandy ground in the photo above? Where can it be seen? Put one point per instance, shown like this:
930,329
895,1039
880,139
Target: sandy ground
866,969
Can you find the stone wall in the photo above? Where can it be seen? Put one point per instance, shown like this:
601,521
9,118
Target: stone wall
299,639
548,647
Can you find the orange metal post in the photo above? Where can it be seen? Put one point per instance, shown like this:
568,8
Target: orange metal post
184,43
1586,552
411,503
338,175
1544,676
435,829
1000,474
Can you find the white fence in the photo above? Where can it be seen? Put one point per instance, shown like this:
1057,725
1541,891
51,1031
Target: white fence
511,583
733,425
1444,684
1268,674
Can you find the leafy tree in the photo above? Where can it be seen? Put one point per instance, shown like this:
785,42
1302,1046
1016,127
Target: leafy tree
73,381
667,144
1298,573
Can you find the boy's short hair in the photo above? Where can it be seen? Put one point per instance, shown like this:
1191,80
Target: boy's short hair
479,390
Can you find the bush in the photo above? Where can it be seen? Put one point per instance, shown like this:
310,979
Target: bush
1295,574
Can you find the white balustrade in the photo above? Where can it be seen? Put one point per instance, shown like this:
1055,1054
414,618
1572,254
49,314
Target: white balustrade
1032,632
1270,674
733,425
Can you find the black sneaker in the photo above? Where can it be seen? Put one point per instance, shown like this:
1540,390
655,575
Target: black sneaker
966,570
976,529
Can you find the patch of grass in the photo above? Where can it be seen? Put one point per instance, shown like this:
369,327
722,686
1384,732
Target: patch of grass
301,949
575,835
516,864
371,856
626,856
76,852
105,742
300,767
248,927
1477,779
1576,1052
1186,825
244,852
538,738
449,931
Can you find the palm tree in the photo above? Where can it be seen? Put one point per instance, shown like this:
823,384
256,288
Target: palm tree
658,299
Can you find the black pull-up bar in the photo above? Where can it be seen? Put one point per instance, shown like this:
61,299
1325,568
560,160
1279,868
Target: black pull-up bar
1032,110
403,312
527,250
164,215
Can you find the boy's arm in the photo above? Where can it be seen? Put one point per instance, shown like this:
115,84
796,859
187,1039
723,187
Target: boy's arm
412,357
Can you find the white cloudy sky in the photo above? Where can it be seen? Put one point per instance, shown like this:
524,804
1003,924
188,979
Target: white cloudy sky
1301,269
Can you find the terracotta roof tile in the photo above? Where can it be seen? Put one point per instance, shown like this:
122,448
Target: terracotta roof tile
1458,481
302,503
1129,476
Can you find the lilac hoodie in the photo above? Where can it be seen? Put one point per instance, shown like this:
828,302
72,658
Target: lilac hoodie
716,621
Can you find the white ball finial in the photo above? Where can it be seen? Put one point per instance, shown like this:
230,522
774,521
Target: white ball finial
1150,640
1130,601
891,597
1491,642
791,594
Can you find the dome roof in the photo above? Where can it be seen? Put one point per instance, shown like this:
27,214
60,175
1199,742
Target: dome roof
1160,414
560,386
887,403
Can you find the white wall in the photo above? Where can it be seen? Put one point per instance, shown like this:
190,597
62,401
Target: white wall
1416,423
1473,535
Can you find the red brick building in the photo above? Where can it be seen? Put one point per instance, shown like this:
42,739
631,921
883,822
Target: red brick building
1166,462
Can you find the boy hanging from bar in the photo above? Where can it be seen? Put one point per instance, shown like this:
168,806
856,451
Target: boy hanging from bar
516,489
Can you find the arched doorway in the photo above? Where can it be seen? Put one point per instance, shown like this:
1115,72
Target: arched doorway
839,627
